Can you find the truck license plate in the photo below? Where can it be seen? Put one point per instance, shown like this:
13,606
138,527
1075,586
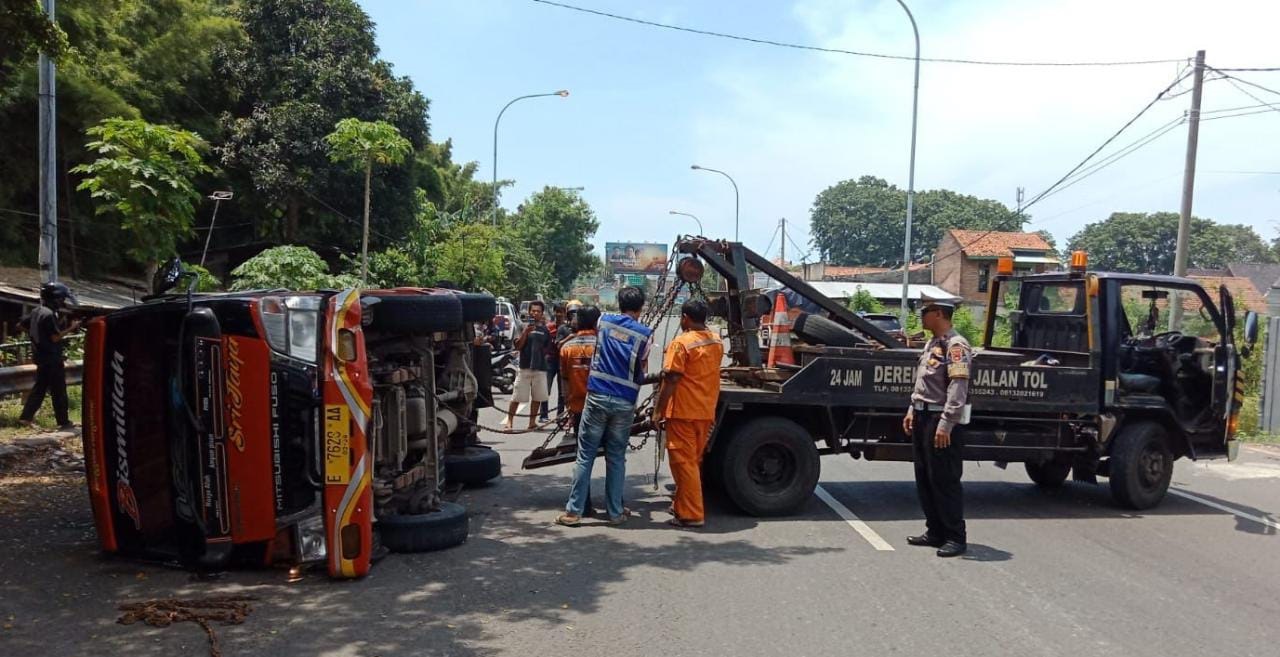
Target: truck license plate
337,444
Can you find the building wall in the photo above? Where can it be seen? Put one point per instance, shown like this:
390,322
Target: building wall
947,265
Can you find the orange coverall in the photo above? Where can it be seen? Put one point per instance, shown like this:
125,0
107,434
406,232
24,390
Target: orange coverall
697,356
575,367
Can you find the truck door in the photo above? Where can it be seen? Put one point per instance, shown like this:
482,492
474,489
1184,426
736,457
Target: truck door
1228,379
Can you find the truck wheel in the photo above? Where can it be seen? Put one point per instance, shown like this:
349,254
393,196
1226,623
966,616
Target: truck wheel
820,330
472,465
417,313
425,532
770,467
1141,466
477,307
1048,475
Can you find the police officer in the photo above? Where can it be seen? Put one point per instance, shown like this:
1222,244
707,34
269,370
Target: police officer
46,340
939,405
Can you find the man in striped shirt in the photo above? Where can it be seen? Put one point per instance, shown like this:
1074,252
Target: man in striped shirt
613,386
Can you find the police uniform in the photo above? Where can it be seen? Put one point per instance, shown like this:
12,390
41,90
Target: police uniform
939,399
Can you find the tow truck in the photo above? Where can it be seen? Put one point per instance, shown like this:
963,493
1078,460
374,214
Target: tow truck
1090,381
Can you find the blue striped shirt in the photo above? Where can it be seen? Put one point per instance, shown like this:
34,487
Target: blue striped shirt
622,351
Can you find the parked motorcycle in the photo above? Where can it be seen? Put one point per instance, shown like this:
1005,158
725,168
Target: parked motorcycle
504,366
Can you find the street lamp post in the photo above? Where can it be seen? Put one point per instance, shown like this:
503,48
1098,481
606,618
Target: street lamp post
911,173
563,93
701,231
735,195
217,198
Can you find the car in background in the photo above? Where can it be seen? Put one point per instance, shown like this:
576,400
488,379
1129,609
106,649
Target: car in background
509,324
887,322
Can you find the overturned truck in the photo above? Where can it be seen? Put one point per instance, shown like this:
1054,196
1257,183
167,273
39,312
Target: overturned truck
284,428
1095,374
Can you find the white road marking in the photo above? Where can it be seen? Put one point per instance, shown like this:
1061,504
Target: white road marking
854,521
1222,507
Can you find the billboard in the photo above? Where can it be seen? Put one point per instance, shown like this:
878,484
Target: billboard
636,257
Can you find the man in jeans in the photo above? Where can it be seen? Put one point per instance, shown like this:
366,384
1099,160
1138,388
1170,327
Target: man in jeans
613,386
46,341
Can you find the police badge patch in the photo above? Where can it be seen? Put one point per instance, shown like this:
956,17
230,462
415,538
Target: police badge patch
958,368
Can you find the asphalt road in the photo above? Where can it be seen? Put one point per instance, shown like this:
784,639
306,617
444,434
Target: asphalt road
1064,573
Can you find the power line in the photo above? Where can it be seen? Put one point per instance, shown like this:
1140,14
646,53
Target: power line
771,239
1273,68
1251,84
1246,92
841,51
1130,122
1232,116
1115,157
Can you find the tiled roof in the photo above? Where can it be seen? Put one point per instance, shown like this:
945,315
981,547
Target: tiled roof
1263,275
982,243
1242,290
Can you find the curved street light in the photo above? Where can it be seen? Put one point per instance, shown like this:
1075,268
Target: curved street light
911,174
735,195
563,93
686,214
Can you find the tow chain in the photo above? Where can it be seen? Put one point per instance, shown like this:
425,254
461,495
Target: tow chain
224,609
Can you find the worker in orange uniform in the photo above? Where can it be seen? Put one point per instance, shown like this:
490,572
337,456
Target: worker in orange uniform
576,353
686,407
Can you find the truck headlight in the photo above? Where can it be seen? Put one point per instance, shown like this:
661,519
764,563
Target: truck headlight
292,325
309,538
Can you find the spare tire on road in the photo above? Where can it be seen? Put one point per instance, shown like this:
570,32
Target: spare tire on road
417,313
471,465
816,329
425,532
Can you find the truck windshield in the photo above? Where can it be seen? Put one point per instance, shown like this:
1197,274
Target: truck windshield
1147,312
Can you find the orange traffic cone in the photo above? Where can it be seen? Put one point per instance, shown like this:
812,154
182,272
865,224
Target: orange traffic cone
780,341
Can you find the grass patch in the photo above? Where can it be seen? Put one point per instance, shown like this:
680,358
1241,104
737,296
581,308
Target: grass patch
11,410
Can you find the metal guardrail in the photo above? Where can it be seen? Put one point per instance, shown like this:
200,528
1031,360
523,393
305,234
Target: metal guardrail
21,378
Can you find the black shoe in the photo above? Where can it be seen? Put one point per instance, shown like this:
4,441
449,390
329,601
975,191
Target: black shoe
952,549
925,540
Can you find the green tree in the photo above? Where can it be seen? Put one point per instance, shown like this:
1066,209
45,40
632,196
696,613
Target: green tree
390,267
861,222
292,267
362,144
471,256
144,176
863,302
1145,243
304,65
27,31
557,224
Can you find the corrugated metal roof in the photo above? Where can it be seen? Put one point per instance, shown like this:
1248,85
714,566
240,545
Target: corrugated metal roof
890,291
22,284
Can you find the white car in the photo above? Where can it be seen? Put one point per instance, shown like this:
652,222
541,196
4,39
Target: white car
509,319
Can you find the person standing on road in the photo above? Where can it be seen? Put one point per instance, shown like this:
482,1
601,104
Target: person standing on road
939,406
576,354
560,330
531,382
613,386
47,348
686,407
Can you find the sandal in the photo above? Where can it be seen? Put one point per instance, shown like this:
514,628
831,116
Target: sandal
568,520
618,520
676,522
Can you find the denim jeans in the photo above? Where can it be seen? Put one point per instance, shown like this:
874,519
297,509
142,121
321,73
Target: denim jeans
606,419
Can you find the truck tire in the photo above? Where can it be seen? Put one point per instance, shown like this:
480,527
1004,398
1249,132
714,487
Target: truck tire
1141,466
816,329
471,465
425,532
477,307
769,467
417,313
1048,475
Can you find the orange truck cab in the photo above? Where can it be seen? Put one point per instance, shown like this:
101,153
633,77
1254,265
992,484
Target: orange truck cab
281,428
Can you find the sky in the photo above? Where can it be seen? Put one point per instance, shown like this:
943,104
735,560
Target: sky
646,103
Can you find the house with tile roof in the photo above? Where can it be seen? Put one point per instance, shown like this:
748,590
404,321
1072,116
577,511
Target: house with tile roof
964,263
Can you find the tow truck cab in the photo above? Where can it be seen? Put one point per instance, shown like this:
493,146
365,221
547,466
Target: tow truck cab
272,428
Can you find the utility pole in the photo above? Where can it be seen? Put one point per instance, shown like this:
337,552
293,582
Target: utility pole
1021,195
1188,186
782,253
48,255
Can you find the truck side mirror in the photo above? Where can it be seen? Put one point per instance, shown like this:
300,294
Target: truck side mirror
1250,329
166,276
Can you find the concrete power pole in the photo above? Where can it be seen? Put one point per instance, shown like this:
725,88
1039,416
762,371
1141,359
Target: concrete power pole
1188,185
48,256
782,253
